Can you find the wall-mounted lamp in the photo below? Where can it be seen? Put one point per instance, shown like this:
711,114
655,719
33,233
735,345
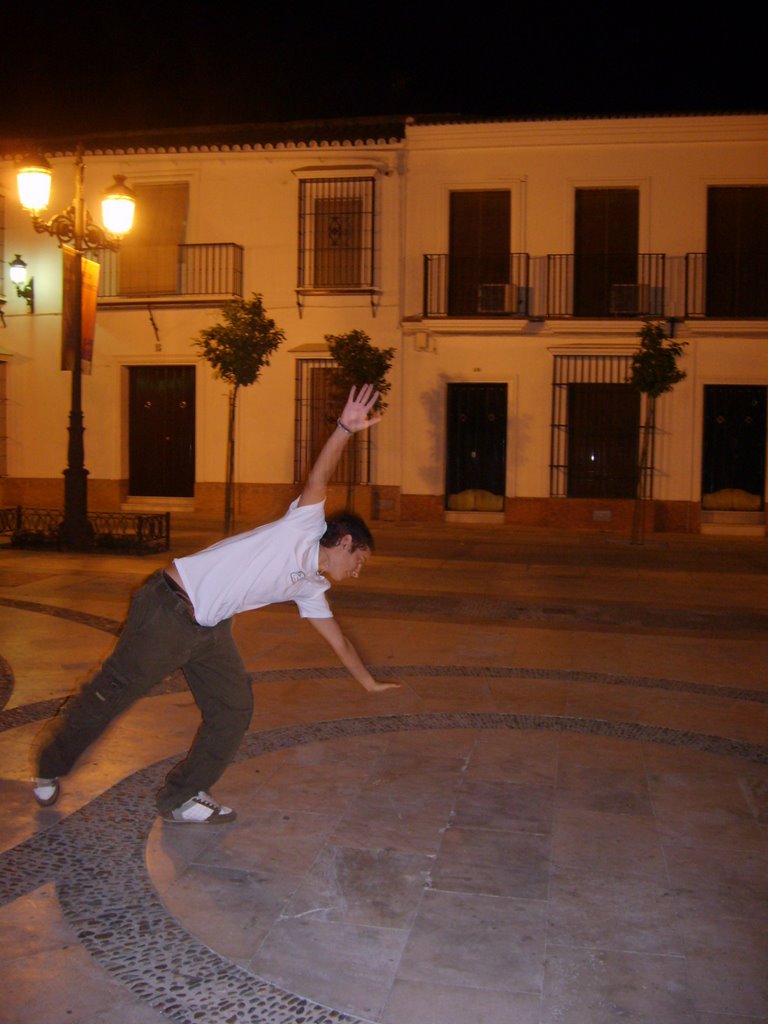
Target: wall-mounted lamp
17,270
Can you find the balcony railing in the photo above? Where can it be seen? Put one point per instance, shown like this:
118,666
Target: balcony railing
213,269
728,286
605,285
609,285
617,285
476,286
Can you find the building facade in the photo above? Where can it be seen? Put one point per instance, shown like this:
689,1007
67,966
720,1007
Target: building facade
509,264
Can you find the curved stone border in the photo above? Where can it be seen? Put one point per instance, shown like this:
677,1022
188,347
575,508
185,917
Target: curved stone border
606,615
27,713
45,709
96,858
515,672
6,682
625,616
102,622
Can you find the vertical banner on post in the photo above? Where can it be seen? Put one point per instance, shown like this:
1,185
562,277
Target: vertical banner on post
86,322
90,276
69,326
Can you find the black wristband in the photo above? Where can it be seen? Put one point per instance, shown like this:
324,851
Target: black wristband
345,429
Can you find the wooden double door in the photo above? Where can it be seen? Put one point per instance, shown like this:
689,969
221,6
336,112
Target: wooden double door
476,438
734,438
161,433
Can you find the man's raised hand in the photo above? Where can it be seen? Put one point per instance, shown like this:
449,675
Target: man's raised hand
358,412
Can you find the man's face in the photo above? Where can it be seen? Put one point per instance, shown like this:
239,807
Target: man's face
343,562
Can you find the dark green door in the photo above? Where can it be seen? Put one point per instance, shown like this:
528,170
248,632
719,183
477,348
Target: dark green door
162,431
476,456
734,438
603,437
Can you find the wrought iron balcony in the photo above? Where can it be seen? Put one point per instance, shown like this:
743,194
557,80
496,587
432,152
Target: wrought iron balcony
605,285
617,285
192,272
602,285
728,286
472,286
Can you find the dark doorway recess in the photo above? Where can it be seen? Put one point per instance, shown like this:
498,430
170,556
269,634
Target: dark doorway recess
476,439
161,431
734,439
603,435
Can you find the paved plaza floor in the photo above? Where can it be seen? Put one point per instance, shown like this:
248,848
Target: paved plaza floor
560,817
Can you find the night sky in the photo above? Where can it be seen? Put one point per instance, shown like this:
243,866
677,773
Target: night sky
211,64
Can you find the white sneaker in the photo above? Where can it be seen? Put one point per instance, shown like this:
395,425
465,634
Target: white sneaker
46,791
200,810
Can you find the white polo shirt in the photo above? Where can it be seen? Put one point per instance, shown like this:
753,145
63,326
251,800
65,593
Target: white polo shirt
273,563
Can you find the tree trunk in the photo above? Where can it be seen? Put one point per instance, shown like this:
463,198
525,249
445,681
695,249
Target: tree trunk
638,513
229,486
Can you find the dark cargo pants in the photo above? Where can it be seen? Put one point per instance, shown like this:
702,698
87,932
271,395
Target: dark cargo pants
159,637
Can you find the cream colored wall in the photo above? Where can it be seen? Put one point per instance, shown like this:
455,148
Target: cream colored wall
431,362
247,198
671,161
251,198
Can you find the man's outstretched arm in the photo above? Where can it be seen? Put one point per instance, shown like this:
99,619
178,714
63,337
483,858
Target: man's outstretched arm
356,416
330,630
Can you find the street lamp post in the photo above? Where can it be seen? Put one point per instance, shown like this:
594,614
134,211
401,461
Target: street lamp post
73,227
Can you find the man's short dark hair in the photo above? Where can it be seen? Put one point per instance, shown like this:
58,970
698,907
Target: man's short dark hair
344,523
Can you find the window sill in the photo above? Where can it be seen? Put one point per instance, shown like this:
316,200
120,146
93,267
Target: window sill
133,301
349,290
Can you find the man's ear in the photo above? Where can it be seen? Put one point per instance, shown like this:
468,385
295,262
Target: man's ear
345,542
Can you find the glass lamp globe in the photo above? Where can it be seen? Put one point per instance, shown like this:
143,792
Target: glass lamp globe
34,180
17,271
118,207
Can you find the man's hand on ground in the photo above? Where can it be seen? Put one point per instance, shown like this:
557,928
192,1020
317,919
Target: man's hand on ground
378,687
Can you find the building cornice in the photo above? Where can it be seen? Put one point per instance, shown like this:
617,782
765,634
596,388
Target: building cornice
241,138
677,130
422,132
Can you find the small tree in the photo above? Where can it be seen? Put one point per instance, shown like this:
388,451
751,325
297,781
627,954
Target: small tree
358,362
653,371
237,349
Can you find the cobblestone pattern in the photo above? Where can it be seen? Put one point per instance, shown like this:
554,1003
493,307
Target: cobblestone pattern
96,855
456,607
96,858
47,708
102,622
6,682
606,615
44,709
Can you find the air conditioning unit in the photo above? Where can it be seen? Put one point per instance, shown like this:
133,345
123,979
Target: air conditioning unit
497,298
636,300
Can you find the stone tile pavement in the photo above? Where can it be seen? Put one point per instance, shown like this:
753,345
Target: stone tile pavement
559,818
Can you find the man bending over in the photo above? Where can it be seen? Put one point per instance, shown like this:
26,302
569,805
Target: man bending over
181,618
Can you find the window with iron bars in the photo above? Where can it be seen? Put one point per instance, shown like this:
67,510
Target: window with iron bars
318,405
596,430
336,233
